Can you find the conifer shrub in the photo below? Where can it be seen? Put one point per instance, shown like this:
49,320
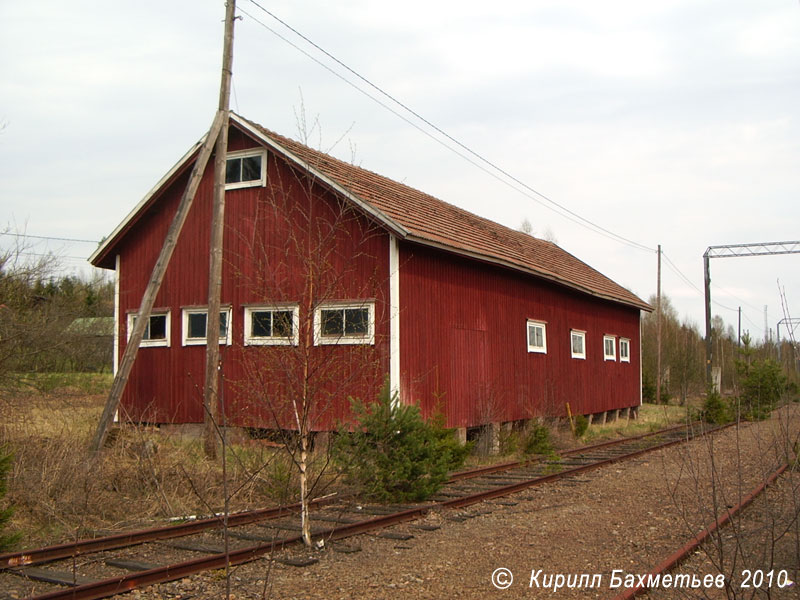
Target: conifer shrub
581,425
537,441
762,384
393,454
715,410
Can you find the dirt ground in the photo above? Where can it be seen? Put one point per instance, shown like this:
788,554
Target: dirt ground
616,521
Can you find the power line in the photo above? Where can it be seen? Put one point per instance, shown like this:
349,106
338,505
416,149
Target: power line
48,237
571,215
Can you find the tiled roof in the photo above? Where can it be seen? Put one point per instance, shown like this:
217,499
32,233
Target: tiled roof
433,221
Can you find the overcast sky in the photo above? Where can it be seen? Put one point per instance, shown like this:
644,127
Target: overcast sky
672,123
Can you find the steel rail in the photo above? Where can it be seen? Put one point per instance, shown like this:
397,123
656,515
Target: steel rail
125,583
679,555
488,470
73,549
121,540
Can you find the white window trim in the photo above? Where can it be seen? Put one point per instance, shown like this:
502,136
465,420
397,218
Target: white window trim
165,343
582,335
627,343
538,349
250,340
186,311
262,152
613,340
320,340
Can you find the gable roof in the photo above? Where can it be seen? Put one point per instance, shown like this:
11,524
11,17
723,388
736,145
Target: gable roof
419,217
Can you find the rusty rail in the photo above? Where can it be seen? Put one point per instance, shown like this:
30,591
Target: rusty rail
125,583
679,555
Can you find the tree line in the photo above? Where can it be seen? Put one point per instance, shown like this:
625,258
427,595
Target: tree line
51,323
683,356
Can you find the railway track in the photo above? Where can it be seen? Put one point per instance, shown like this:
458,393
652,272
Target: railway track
105,566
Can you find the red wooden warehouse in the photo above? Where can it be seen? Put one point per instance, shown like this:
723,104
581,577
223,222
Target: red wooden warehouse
336,278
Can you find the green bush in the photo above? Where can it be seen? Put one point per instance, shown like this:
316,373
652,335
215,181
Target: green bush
762,384
715,409
393,454
581,425
537,440
6,540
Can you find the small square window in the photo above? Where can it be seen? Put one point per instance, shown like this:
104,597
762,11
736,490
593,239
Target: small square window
578,344
195,326
537,337
609,347
271,325
345,324
156,332
245,169
624,350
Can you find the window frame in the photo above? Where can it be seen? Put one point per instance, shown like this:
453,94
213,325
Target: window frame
612,356
626,342
149,343
192,341
250,340
577,333
242,154
344,339
533,323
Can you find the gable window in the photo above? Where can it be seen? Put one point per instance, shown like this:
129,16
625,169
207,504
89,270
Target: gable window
609,347
624,350
537,337
194,326
156,332
578,343
271,325
344,323
246,169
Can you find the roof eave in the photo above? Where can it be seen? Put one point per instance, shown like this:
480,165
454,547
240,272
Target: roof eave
100,253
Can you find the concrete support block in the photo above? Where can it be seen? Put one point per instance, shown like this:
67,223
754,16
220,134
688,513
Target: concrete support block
461,435
493,438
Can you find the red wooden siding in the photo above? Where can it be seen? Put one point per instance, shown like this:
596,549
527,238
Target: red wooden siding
266,228
464,347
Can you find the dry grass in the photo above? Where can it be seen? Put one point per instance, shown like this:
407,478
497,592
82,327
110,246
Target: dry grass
143,477
651,418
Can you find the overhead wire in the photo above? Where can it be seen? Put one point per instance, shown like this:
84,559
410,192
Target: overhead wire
529,191
48,237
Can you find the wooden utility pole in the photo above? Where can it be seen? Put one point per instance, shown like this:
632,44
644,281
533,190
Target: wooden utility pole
658,330
156,277
211,393
170,241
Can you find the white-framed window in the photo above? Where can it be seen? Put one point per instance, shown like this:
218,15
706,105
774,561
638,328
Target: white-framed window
156,333
624,350
344,323
273,325
194,326
246,168
578,343
609,347
537,337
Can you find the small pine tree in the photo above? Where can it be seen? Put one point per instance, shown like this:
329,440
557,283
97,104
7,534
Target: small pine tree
6,540
715,410
762,384
581,425
393,454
